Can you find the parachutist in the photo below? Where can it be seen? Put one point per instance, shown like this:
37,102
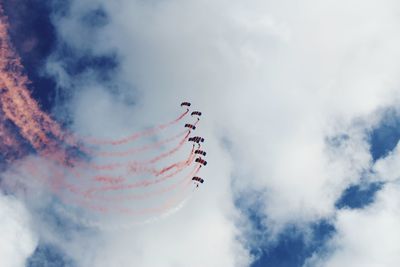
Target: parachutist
196,139
190,126
200,152
185,104
197,113
198,179
201,161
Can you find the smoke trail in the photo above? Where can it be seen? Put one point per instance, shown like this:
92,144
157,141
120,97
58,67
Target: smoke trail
62,166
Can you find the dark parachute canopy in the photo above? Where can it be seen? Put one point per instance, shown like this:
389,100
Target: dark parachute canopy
196,139
200,152
201,161
187,104
190,126
198,179
196,113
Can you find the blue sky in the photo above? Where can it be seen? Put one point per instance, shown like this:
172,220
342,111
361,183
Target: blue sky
310,112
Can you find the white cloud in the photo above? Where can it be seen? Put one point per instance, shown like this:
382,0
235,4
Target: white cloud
387,168
18,241
275,78
367,237
279,80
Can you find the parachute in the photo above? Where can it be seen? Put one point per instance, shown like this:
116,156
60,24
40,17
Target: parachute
196,139
187,104
198,179
200,152
201,161
190,126
196,113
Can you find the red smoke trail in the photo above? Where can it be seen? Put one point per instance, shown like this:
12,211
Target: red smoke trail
17,107
133,151
16,102
109,180
153,193
59,184
143,183
58,180
138,135
10,147
133,166
173,201
6,138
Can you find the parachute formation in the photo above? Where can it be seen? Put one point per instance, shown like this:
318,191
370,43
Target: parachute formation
142,175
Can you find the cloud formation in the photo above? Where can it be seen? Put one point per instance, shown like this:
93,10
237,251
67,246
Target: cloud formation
366,237
18,239
290,92
276,81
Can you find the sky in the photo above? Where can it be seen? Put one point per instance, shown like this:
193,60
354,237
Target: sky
300,103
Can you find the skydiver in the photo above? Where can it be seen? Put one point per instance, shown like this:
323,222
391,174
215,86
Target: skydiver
185,104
